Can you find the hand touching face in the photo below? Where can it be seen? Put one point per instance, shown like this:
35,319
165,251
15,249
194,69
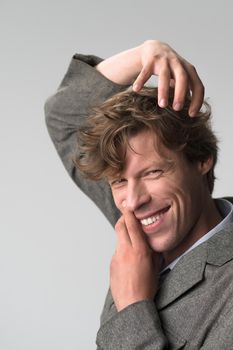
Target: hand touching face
134,266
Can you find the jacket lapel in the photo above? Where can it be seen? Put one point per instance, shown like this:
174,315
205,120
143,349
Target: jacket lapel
191,267
187,273
220,247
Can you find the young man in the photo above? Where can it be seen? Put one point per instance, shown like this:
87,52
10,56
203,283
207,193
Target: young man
159,165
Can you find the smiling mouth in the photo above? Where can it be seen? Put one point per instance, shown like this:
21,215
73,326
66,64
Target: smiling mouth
152,219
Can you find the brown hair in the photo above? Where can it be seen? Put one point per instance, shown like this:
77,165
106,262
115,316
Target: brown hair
108,129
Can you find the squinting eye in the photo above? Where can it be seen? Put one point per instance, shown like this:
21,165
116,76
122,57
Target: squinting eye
154,173
117,182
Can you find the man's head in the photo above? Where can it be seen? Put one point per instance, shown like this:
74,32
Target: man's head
159,163
104,140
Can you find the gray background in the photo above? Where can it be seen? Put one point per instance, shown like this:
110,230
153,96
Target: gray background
55,246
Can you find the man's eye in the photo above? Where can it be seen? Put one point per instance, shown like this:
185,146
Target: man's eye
155,173
117,182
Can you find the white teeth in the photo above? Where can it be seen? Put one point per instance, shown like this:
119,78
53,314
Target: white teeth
150,220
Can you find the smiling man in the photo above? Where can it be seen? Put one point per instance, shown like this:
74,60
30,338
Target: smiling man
150,169
159,164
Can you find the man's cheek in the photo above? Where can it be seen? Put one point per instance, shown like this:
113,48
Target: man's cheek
119,202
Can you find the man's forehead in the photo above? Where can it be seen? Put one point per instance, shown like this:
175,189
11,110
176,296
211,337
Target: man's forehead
144,152
147,145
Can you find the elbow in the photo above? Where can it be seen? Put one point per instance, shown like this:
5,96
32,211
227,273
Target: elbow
49,114
47,110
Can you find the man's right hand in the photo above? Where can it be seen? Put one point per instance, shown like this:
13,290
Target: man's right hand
137,65
135,267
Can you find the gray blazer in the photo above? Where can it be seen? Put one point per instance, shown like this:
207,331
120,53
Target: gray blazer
193,308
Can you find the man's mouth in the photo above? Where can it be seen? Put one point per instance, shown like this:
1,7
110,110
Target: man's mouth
152,219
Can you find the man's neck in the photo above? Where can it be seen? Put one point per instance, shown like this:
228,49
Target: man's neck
210,218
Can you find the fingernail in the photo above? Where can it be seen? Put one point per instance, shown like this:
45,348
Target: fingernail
177,106
192,113
162,103
135,87
124,204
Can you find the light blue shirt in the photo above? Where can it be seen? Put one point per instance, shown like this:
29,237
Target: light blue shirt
226,210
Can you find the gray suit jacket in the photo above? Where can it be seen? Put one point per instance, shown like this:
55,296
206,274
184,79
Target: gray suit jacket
194,306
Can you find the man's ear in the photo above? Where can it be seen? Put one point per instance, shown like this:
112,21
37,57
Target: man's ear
205,166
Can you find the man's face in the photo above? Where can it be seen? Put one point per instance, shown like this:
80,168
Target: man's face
169,199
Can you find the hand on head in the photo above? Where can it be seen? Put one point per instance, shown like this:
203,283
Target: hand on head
160,59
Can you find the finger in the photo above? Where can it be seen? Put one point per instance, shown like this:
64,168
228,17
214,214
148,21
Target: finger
181,83
142,78
134,230
172,83
123,237
163,85
197,88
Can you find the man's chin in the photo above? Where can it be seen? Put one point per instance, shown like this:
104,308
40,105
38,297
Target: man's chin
160,244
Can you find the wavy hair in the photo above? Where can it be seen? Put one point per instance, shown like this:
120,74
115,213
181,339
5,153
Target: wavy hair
104,139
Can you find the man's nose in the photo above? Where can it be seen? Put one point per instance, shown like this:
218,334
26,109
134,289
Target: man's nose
137,195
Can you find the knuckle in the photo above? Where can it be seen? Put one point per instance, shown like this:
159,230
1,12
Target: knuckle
202,88
192,68
159,57
165,72
145,71
183,77
175,60
119,225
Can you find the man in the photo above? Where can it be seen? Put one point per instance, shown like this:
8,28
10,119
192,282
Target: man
162,188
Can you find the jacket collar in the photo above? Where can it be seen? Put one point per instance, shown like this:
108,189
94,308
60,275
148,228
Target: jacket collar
191,267
220,247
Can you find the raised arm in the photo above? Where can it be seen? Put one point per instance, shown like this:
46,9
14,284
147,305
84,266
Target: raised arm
66,111
137,65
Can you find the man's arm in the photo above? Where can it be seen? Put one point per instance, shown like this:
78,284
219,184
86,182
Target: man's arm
66,111
132,320
139,327
137,65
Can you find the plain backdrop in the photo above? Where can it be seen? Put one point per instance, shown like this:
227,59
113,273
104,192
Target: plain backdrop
55,246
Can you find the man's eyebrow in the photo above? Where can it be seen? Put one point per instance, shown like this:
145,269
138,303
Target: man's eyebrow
155,165
158,165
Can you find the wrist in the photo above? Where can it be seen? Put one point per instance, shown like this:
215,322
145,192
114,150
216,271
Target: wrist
124,305
122,68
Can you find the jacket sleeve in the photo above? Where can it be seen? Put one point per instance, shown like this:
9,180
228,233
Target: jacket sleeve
82,88
137,327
